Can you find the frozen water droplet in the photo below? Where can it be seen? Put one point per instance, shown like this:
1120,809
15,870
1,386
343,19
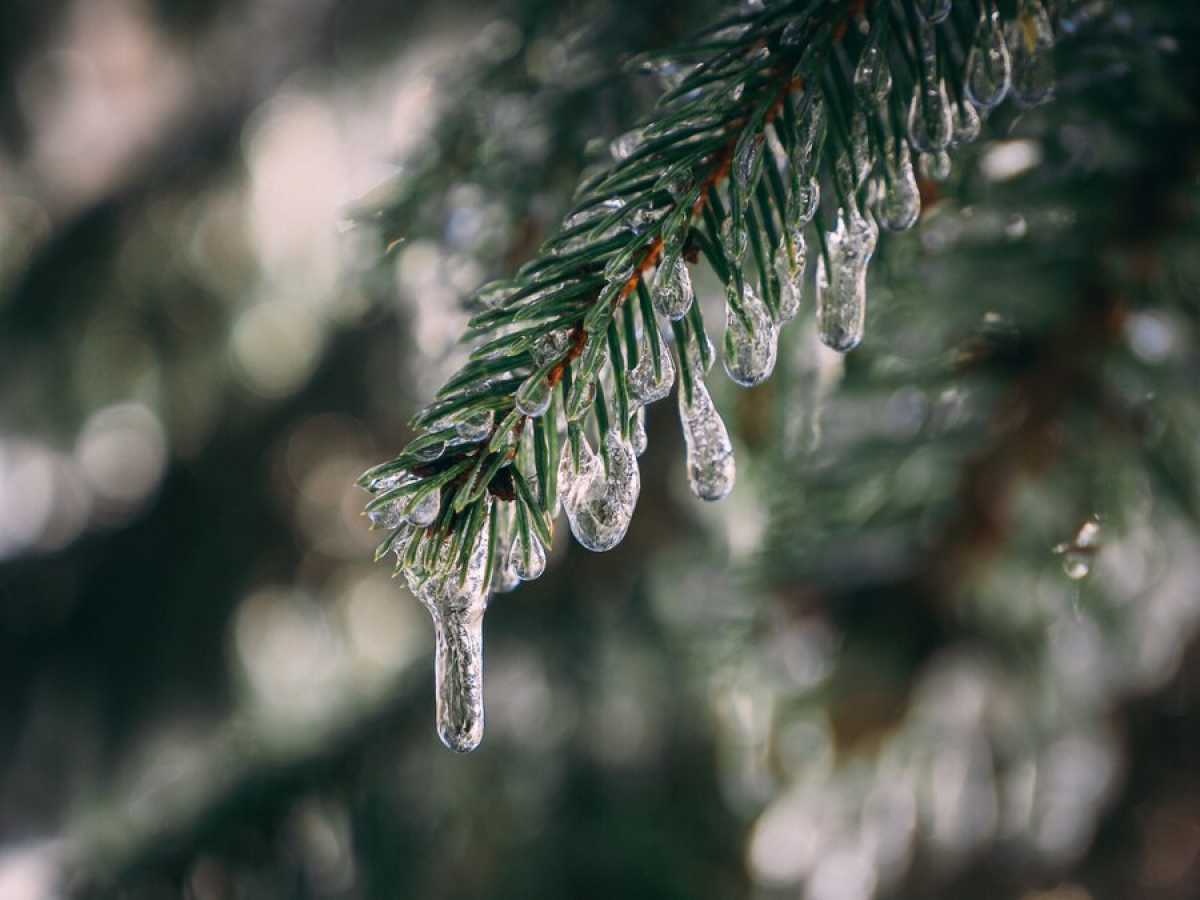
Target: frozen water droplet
644,385
900,203
623,146
457,608
504,579
936,166
735,239
533,396
790,262
934,11
600,502
476,426
673,292
842,288
637,431
989,67
802,201
747,160
550,347
425,510
1031,48
873,75
388,517
930,119
710,464
430,452
967,124
528,561
751,346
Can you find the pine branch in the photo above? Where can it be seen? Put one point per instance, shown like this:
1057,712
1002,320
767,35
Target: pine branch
733,164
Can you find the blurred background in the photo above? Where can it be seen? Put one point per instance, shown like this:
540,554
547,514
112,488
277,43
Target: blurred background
939,639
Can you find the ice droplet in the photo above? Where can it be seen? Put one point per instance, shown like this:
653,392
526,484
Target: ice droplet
424,511
637,432
900,203
750,346
711,467
934,11
533,396
388,517
430,452
842,287
600,503
967,124
673,294
550,347
528,559
475,426
873,75
790,262
936,166
645,386
930,119
457,608
1031,48
989,67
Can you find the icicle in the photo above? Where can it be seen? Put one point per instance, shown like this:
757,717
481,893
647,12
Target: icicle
528,562
900,202
673,294
791,257
533,396
710,463
989,67
930,121
637,432
750,350
1078,554
967,124
457,609
475,427
1031,47
425,510
600,503
644,386
936,166
934,11
842,288
873,75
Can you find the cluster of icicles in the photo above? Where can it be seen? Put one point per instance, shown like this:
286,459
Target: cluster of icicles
599,491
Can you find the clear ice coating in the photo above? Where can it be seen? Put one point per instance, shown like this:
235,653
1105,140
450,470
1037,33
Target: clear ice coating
457,606
673,294
931,118
388,517
550,347
424,511
791,257
873,75
599,500
747,160
711,468
989,67
644,385
637,431
735,239
900,202
842,286
1031,48
533,396
802,201
475,426
934,11
750,346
